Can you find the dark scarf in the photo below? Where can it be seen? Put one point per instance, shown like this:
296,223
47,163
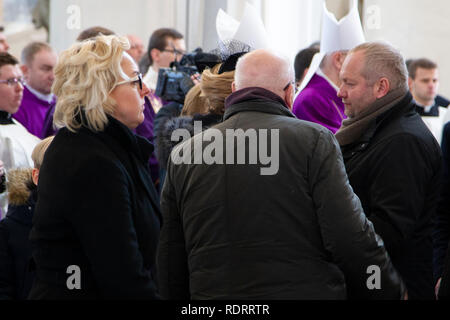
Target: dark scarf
353,128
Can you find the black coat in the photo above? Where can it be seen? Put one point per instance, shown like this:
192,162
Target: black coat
231,233
441,236
16,277
395,170
97,209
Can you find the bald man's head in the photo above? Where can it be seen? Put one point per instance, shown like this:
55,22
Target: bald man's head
267,70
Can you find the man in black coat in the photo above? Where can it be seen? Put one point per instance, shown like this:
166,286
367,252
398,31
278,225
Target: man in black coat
393,161
240,222
441,232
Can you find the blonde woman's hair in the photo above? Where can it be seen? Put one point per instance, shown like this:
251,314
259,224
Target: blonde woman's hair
194,103
84,77
39,151
216,88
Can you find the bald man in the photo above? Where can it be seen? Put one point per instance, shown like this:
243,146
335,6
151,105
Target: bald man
136,50
259,206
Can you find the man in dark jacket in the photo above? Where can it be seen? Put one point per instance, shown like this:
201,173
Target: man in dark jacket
393,161
287,226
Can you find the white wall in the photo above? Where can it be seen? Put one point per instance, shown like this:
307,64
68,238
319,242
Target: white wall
140,17
291,24
418,28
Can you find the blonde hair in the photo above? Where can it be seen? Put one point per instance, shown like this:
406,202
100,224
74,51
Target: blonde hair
216,88
39,151
194,103
84,77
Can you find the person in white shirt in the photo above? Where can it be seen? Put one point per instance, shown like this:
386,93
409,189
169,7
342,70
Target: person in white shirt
165,46
16,143
423,82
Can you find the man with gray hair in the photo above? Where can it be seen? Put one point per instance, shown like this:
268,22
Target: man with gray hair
233,230
393,161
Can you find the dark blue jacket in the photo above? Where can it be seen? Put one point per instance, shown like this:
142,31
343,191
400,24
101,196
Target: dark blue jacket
16,278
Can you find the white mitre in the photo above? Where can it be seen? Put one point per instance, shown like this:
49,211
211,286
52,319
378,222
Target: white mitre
250,30
344,34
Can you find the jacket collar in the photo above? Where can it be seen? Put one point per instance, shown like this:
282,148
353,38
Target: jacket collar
405,106
128,140
268,102
23,214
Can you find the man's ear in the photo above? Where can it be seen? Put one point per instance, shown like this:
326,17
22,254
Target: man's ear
382,87
24,69
289,96
410,83
338,59
35,175
233,87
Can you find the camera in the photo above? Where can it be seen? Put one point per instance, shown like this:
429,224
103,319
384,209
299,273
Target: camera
175,82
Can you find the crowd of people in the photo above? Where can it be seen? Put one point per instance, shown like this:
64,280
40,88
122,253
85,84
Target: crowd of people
326,178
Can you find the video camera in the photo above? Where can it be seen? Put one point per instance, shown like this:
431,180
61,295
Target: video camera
175,82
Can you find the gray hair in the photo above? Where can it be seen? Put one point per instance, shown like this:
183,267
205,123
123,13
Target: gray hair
383,60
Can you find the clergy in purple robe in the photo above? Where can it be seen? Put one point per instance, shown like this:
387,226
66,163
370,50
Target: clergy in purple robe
318,102
33,110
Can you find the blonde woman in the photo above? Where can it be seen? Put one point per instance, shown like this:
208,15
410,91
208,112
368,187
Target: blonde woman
97,220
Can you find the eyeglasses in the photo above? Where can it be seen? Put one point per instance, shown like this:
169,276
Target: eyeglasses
175,51
13,81
135,80
293,83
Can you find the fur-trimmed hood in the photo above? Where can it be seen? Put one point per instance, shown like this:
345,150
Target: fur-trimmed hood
19,186
164,144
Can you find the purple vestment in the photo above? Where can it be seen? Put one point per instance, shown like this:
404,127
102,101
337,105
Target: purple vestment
318,102
32,112
145,129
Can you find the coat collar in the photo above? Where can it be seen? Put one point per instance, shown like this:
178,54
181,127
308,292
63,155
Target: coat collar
405,106
267,102
132,148
138,145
